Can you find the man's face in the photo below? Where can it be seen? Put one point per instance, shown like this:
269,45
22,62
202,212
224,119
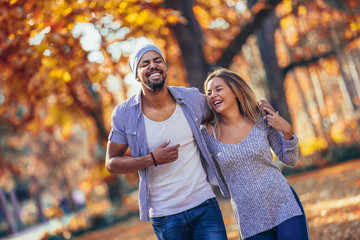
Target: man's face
151,71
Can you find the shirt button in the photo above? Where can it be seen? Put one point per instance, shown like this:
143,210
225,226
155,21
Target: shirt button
219,154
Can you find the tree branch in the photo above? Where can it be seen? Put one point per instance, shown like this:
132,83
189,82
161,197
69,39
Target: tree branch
306,62
240,39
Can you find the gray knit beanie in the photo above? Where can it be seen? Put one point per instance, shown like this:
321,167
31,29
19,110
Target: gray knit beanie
138,52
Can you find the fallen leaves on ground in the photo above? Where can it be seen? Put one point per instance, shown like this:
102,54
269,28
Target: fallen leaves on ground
330,197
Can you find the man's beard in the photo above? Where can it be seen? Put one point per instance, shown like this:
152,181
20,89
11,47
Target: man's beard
154,86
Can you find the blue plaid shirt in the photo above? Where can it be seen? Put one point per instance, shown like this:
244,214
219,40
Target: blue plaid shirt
128,128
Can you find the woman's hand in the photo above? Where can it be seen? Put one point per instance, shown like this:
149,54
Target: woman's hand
277,122
262,104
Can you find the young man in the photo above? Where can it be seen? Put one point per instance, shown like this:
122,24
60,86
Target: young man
161,126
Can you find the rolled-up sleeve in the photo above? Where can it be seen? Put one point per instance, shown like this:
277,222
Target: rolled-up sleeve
117,132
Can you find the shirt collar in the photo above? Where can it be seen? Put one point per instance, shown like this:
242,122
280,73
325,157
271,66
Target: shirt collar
174,92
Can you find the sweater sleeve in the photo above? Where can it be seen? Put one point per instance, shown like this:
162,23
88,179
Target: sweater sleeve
287,151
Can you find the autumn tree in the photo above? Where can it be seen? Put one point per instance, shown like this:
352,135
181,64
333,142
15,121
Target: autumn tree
202,34
51,79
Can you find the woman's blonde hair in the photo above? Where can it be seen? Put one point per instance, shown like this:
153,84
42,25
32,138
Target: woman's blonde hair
244,95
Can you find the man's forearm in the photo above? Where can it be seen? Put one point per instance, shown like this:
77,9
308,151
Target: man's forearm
123,164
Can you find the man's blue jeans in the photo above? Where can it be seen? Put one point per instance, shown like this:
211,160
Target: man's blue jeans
203,222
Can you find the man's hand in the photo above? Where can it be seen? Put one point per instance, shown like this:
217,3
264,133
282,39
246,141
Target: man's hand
163,154
264,104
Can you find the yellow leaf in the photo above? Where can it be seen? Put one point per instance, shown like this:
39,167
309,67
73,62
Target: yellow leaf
172,19
123,5
40,26
70,26
33,33
66,76
284,8
202,16
67,129
286,22
67,11
131,18
353,26
56,73
48,62
49,120
165,31
143,17
159,22
92,4
81,18
107,5
302,10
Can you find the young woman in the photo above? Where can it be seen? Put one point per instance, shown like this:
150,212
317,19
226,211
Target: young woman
239,137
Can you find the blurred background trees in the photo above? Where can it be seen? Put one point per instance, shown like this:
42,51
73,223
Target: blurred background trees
63,68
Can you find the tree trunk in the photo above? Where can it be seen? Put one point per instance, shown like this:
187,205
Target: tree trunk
190,40
274,73
304,103
16,206
35,192
349,88
5,210
354,73
320,102
39,209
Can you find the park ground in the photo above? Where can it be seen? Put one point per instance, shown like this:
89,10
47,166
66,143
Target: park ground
330,197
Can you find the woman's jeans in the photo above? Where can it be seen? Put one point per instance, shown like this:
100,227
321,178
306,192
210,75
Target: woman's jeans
295,228
203,222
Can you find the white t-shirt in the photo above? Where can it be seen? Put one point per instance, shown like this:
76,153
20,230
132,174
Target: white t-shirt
180,185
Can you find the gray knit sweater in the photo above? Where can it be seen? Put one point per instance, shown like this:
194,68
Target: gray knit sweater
261,197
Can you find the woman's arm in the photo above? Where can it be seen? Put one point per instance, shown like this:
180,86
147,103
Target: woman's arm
282,139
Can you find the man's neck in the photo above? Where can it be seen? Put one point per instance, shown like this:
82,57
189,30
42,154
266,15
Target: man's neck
156,99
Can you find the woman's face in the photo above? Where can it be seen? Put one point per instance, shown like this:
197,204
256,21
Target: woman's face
219,95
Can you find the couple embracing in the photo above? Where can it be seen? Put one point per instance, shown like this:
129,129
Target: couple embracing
175,134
